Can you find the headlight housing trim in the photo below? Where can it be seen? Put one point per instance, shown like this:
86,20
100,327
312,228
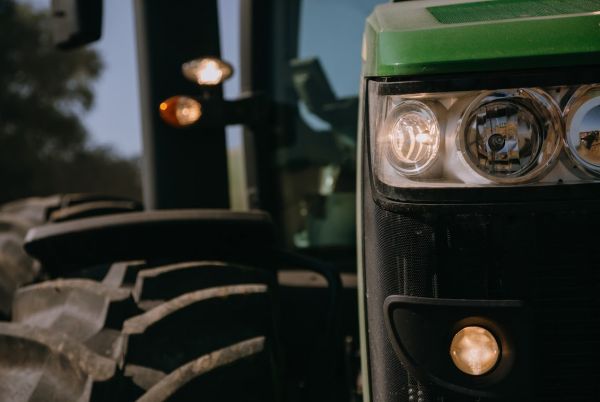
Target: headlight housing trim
522,194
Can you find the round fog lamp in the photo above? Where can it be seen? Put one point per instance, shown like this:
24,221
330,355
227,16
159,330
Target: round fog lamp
474,350
411,135
582,137
511,136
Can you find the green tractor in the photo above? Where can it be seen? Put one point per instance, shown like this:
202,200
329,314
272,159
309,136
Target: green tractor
480,155
419,226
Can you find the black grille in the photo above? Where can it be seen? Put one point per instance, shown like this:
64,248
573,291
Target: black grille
399,261
548,260
565,290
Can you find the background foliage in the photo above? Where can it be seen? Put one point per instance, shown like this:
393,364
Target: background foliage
44,148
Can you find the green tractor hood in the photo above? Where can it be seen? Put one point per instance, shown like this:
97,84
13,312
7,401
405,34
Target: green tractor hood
432,37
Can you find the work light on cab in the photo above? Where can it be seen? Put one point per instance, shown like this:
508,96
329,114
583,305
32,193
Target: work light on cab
180,111
207,71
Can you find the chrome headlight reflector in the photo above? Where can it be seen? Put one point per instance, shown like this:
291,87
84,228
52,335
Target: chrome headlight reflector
582,137
511,136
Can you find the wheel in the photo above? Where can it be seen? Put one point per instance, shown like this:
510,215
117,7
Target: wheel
141,323
16,218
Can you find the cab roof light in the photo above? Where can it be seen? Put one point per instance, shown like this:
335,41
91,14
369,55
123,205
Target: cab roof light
207,71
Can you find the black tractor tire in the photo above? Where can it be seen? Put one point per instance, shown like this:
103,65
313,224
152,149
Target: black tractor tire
139,322
16,218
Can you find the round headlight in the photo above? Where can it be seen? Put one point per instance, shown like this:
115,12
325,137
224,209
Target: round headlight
474,350
411,136
511,136
582,136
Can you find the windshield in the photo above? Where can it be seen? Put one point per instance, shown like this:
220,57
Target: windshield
315,161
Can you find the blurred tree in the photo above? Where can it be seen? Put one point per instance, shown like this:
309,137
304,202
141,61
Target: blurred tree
44,147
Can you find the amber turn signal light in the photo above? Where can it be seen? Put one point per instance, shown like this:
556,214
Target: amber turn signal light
180,111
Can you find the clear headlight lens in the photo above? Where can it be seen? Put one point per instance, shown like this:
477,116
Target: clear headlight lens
483,138
582,138
411,134
511,136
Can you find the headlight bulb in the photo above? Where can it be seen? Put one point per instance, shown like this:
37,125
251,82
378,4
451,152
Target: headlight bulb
511,136
474,350
411,136
582,137
504,138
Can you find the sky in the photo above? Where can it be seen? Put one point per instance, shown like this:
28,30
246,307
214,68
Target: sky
116,118
338,49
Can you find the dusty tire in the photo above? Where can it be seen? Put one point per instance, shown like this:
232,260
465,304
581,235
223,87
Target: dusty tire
17,217
171,328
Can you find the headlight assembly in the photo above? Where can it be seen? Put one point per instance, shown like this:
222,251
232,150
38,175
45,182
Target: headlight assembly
486,138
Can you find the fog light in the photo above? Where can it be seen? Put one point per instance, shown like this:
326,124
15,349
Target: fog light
474,350
207,71
180,111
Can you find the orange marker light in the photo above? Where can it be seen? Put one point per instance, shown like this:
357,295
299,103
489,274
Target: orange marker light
180,111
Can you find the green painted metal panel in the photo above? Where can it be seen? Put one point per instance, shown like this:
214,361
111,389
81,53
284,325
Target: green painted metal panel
407,39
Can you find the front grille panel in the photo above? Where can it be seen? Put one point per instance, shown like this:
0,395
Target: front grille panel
565,294
566,336
548,260
401,250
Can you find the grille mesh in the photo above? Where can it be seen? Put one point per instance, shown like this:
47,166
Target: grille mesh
510,9
402,252
565,290
548,260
